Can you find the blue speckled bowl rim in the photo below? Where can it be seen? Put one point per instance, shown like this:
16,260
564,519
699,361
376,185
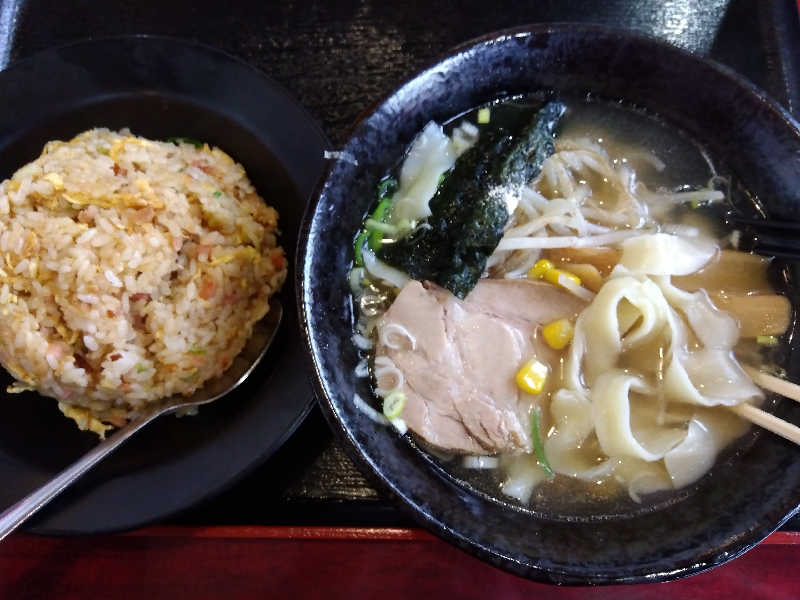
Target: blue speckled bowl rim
370,465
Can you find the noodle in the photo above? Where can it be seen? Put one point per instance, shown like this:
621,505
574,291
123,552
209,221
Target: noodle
613,237
640,382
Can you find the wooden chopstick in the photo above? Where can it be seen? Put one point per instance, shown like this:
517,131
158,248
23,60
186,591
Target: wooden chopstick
764,419
768,421
773,384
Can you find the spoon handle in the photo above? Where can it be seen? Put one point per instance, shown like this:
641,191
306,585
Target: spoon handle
14,516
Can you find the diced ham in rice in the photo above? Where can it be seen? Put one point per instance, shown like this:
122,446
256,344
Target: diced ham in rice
131,270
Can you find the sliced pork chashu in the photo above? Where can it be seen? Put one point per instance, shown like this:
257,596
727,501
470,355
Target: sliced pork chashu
459,376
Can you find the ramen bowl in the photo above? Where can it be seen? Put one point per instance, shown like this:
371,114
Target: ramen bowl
751,490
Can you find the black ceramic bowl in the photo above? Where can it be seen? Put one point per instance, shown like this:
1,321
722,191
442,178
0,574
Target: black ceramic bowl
160,87
747,495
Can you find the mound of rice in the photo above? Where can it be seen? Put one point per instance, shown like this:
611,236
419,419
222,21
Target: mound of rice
131,270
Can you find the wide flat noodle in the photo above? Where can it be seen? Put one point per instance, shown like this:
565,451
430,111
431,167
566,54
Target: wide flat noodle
639,414
664,254
689,460
714,328
565,450
712,368
626,311
642,477
710,430
614,425
430,155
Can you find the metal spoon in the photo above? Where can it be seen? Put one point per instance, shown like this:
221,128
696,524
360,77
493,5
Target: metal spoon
247,360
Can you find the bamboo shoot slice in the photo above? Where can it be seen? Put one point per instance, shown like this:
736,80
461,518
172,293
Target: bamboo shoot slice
765,314
733,272
603,259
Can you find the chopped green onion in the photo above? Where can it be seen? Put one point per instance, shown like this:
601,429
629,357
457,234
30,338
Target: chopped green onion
217,194
393,404
355,279
377,218
104,150
766,340
387,188
379,214
190,378
357,246
538,446
375,225
694,204
375,239
185,140
372,225
484,115
140,368
196,350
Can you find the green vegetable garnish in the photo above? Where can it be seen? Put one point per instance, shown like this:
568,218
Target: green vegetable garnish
185,140
393,404
104,150
467,220
217,194
196,350
380,212
386,190
766,340
374,226
376,233
357,246
484,115
140,368
538,446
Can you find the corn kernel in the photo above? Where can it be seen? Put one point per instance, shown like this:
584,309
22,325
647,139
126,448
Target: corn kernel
544,269
540,269
532,376
558,333
553,276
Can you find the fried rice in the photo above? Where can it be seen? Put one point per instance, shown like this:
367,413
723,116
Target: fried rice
131,270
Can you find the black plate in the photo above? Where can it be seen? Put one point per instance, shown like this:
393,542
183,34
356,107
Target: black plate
159,88
746,496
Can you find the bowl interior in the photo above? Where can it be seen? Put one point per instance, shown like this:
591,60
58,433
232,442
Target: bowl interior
747,494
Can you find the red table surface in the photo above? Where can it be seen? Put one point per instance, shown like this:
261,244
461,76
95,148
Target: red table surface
325,562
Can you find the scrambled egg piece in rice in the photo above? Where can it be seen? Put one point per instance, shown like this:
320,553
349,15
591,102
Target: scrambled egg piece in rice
131,270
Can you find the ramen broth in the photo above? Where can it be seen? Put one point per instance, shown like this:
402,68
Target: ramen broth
666,162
